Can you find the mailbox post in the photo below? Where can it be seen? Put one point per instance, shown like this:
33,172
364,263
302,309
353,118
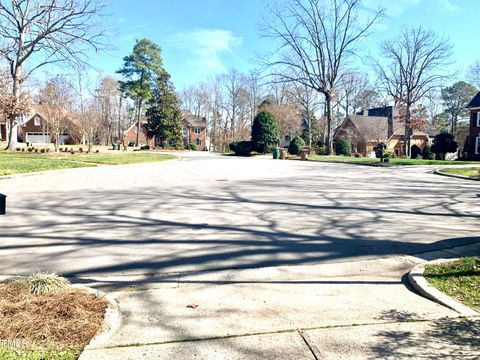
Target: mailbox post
3,204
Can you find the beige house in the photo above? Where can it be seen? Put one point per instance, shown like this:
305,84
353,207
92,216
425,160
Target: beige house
368,130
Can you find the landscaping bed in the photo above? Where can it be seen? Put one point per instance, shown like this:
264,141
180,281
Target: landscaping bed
471,172
45,319
459,279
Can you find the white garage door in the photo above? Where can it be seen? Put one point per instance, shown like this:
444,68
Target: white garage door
36,138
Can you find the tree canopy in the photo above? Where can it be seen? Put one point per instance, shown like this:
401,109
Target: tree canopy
265,131
164,118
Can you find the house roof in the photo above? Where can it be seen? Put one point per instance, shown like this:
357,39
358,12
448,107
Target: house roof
371,127
475,102
193,120
39,109
376,127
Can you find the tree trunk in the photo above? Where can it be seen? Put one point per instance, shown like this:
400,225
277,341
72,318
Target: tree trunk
12,118
328,108
138,122
408,131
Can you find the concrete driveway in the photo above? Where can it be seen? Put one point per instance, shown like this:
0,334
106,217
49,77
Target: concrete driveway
281,259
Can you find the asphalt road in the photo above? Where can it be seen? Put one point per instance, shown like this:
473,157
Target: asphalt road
208,212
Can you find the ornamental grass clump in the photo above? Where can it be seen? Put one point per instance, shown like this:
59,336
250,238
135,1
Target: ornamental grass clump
44,283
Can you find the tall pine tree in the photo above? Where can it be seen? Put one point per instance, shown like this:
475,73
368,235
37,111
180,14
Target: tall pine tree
164,118
141,69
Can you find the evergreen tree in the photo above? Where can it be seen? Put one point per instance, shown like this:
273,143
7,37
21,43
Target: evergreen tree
264,131
164,118
444,143
141,69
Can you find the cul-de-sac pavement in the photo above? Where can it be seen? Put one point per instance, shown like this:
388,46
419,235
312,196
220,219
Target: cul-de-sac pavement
216,257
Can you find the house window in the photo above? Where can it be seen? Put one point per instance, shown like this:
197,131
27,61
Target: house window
199,142
477,146
478,119
36,120
185,131
197,130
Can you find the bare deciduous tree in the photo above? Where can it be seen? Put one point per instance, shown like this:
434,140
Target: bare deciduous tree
316,39
414,64
36,33
474,74
56,100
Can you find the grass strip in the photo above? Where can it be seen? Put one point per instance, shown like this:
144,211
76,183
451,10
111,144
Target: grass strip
459,279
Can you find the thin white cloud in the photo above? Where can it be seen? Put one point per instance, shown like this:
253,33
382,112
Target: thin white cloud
204,48
448,6
399,7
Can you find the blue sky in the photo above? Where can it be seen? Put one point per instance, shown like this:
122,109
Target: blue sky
200,38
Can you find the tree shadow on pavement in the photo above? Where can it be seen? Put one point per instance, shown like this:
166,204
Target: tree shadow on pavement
440,339
233,226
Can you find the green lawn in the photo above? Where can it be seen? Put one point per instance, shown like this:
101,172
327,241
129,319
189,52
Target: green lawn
468,172
460,280
394,161
19,354
16,162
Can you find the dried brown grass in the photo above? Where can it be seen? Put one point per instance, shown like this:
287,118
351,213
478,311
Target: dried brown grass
64,319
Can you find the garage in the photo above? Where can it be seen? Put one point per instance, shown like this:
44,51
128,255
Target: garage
37,138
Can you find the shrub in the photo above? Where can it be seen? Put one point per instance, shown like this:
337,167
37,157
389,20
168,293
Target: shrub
415,151
43,283
389,154
17,149
343,147
42,151
47,150
80,149
296,145
243,148
443,143
264,131
23,149
72,151
97,151
321,151
193,147
145,147
30,149
358,155
36,150
232,146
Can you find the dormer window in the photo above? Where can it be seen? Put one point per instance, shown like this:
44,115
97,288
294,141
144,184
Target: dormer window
36,121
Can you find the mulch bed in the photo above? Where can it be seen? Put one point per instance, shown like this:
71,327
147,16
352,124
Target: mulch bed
60,320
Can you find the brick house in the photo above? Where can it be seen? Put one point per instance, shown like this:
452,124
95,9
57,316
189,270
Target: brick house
375,126
34,129
130,136
194,131
473,140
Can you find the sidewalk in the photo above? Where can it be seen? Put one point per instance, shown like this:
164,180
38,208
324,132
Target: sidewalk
346,310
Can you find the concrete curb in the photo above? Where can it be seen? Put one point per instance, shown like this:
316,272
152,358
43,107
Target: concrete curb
421,286
438,172
111,321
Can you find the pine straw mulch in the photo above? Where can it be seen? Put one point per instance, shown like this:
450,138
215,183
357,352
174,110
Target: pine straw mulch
60,320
